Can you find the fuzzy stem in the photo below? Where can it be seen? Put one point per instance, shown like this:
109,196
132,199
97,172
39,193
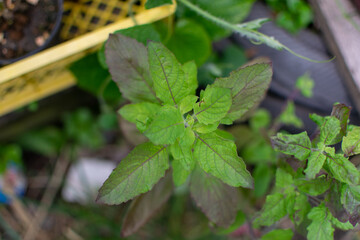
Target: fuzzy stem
246,31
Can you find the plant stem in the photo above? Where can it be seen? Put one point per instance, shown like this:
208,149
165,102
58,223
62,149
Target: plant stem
130,11
244,30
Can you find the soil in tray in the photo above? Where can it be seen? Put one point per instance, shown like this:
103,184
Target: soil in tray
25,26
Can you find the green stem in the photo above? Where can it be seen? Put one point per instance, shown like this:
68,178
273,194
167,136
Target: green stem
246,31
130,11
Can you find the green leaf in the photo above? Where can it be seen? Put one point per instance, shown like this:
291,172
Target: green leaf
167,73
313,187
305,84
47,141
261,119
190,41
182,149
279,234
329,130
342,169
166,127
315,162
288,116
190,70
224,134
146,205
139,111
142,33
274,209
341,225
217,200
283,179
129,67
91,77
202,128
263,175
82,129
350,198
351,142
137,173
258,150
248,87
302,207
218,156
298,145
213,106
180,173
320,227
187,103
156,3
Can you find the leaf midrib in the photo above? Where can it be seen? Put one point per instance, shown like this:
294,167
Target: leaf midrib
217,153
210,105
166,78
141,165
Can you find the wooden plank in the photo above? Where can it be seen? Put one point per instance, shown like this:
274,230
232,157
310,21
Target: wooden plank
340,23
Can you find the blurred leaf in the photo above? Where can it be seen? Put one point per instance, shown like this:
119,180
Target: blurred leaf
137,173
190,42
91,77
279,234
82,128
146,205
273,210
288,116
10,154
261,119
156,3
305,84
263,175
217,200
47,141
239,220
258,151
108,121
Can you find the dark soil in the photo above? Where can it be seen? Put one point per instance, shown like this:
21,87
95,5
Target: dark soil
26,26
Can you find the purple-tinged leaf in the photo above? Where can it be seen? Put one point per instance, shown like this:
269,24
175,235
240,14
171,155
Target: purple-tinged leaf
128,64
146,205
216,199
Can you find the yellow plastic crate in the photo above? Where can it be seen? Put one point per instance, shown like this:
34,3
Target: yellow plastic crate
46,73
